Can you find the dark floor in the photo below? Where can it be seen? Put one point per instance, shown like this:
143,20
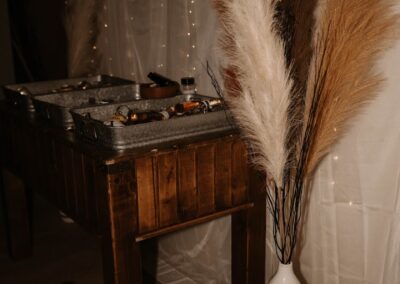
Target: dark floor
62,253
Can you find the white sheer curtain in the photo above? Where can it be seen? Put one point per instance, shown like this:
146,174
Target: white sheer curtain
352,234
172,37
352,230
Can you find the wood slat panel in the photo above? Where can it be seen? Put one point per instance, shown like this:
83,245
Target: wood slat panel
4,138
50,175
90,194
67,155
205,179
60,177
123,252
35,162
17,142
256,227
101,200
146,194
167,188
239,173
187,190
39,161
122,203
24,145
79,187
223,168
50,172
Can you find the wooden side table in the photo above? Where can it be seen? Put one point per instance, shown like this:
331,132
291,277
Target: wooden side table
127,197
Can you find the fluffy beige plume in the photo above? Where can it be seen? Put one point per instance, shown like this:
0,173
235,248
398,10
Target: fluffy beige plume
257,58
81,30
350,35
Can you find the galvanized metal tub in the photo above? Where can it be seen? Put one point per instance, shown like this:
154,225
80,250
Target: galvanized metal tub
24,102
89,125
56,107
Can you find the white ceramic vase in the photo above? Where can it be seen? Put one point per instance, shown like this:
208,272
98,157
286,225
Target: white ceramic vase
284,275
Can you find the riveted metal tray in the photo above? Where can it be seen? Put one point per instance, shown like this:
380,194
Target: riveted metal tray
89,125
24,102
56,107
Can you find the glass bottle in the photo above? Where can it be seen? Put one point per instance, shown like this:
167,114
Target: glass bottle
188,86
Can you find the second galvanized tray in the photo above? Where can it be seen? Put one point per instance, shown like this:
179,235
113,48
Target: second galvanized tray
20,95
56,107
89,125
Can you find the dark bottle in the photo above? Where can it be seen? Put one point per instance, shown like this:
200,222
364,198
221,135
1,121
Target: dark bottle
143,117
186,107
197,106
161,80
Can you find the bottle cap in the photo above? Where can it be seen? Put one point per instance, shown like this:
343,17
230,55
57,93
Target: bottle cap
187,81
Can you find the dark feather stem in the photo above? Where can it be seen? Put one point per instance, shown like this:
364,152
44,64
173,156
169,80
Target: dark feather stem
218,90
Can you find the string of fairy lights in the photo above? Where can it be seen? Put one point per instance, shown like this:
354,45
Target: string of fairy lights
192,35
187,49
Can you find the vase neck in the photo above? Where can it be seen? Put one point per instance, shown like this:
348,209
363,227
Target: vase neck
287,266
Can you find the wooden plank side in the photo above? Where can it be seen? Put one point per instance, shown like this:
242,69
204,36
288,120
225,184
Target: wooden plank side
205,168
240,248
67,157
79,187
248,234
45,154
121,254
36,162
53,182
50,168
256,228
167,188
60,176
146,194
32,163
18,143
187,190
239,173
89,194
223,173
122,203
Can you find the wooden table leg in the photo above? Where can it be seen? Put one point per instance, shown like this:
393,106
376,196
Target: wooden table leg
16,212
121,253
248,237
121,261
